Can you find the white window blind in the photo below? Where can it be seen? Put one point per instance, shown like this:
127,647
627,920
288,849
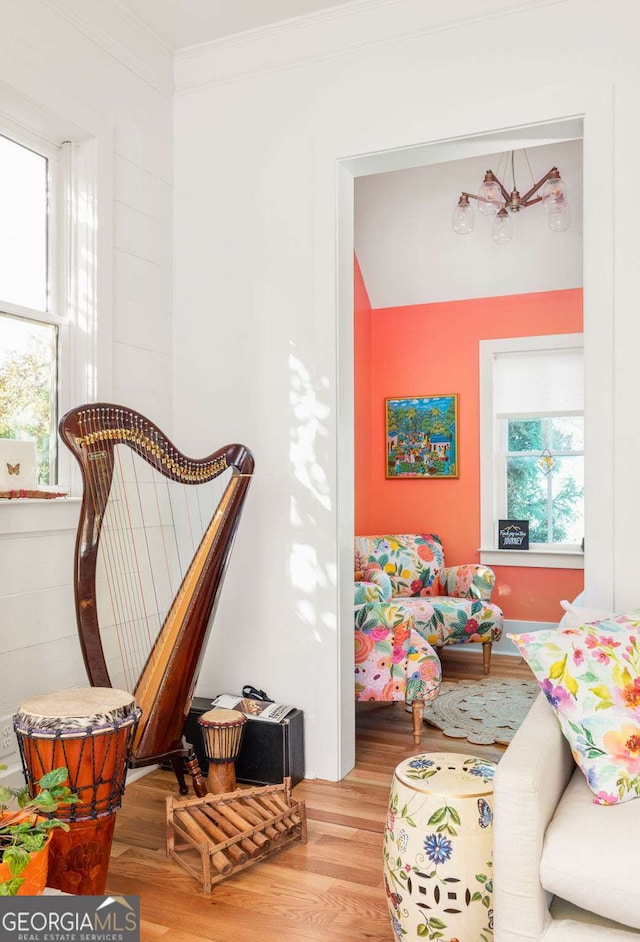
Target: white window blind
539,383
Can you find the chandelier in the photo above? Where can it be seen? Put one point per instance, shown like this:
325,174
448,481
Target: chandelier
495,200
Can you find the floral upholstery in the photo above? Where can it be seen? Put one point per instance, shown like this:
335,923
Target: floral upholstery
591,677
392,661
449,605
443,620
411,560
467,582
372,586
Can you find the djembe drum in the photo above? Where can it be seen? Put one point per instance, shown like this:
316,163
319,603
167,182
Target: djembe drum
222,732
89,731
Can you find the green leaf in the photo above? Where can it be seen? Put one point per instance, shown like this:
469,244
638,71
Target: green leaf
23,797
476,896
53,823
33,842
11,887
16,859
53,778
437,816
437,923
422,931
44,801
454,815
5,794
481,877
410,821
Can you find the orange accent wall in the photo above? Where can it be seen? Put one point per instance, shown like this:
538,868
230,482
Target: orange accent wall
432,349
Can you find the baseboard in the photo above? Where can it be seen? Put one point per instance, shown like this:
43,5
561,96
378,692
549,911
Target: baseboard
504,645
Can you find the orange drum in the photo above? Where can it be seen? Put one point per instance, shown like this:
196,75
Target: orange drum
89,731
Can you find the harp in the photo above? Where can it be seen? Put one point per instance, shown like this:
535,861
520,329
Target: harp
154,537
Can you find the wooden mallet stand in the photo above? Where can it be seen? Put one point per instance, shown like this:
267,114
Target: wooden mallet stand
232,831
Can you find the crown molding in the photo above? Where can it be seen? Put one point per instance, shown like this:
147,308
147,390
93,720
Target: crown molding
124,37
283,27
338,31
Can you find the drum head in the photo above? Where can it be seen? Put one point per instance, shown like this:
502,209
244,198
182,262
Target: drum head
221,717
78,708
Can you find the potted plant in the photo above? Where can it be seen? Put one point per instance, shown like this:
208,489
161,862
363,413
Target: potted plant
26,826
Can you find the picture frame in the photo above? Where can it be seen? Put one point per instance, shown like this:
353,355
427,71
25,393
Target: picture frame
421,437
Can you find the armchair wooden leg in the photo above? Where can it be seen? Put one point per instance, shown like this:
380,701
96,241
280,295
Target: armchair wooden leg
417,712
486,656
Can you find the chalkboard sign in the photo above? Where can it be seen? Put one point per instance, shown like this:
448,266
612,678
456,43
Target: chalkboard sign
513,534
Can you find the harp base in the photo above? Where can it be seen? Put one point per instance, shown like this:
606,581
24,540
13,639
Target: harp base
180,757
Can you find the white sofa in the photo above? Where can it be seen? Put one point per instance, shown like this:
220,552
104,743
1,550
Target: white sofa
565,869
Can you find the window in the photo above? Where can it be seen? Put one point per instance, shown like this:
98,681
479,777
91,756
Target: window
532,446
29,310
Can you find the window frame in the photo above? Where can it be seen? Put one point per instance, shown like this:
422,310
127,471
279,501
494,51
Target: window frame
54,313
43,116
493,463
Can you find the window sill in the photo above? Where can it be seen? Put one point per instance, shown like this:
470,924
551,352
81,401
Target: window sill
533,559
32,515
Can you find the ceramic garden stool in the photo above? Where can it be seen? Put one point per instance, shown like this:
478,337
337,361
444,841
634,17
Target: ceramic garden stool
438,849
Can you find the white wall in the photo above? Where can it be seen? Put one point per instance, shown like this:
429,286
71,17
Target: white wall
259,127
58,64
409,254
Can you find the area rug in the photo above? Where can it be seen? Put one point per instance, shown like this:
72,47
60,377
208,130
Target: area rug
481,711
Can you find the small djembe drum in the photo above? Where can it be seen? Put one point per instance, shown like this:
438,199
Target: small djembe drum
222,732
89,731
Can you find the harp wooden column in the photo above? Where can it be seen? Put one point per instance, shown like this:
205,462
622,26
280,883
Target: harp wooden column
160,643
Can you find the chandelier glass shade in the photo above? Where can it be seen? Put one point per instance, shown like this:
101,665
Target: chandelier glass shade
493,199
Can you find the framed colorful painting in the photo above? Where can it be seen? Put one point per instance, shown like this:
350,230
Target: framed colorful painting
422,437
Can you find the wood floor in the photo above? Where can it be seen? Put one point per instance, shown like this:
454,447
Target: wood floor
329,890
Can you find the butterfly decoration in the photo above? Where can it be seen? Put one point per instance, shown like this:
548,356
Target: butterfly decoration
13,468
486,814
546,461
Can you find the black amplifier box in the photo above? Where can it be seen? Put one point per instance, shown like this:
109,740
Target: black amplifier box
269,753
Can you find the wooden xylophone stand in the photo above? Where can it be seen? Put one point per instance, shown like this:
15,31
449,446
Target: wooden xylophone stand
232,831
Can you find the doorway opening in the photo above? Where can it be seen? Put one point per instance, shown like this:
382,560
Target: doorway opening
413,269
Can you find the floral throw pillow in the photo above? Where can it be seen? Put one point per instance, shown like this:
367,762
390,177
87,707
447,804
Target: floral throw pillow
591,677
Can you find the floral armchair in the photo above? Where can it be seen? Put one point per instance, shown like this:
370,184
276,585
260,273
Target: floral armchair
392,661
449,605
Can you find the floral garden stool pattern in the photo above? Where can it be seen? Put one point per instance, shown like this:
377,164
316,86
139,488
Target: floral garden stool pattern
438,848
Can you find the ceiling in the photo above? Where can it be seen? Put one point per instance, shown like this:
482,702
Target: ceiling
181,23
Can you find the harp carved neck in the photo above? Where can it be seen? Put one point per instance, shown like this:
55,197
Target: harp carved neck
109,426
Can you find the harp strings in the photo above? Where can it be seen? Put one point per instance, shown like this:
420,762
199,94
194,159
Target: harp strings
151,529
97,479
119,569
